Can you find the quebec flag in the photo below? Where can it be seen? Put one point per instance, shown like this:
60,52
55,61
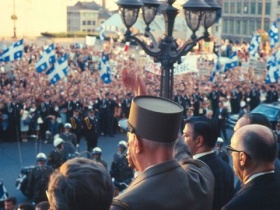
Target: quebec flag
255,45
273,67
216,69
59,70
273,33
47,58
13,52
104,69
232,62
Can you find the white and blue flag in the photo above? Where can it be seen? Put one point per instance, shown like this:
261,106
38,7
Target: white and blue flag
273,68
13,52
217,68
104,69
59,70
46,59
254,45
273,33
232,62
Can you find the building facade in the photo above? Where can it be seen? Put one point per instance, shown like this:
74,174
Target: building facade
241,18
85,16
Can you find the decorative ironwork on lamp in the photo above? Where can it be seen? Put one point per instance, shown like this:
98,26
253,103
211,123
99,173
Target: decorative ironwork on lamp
197,13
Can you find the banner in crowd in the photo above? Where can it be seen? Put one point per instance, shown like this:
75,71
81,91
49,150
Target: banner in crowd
190,64
13,52
90,40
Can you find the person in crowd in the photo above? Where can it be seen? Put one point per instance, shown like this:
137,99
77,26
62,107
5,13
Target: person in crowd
10,203
57,156
272,95
96,156
125,105
91,186
200,134
221,118
67,135
245,108
91,129
76,125
221,153
38,179
120,170
214,98
26,206
151,154
46,110
235,99
253,149
72,105
44,205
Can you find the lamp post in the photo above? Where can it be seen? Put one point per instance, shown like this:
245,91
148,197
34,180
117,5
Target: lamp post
166,51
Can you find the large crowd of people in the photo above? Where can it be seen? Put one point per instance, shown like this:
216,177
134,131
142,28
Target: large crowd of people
82,105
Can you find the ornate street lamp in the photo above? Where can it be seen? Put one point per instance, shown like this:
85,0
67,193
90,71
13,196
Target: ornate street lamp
197,13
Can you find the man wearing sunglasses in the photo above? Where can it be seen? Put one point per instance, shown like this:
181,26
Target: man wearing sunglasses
253,149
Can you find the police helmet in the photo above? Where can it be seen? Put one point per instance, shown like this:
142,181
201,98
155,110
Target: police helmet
57,141
122,144
96,151
41,157
67,125
220,140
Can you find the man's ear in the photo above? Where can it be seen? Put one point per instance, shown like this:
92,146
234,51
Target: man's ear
199,141
138,144
243,159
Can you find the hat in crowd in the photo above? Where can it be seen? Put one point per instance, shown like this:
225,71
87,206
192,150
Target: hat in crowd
74,95
220,140
107,94
67,125
96,151
47,96
41,157
128,94
153,118
272,86
57,142
91,110
122,144
76,110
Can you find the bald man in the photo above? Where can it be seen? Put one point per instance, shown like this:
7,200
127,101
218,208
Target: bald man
254,150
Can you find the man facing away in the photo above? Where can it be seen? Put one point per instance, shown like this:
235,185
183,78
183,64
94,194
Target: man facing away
254,150
162,183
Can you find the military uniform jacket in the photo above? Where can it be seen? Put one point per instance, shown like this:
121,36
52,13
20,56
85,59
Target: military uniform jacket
91,126
76,124
169,186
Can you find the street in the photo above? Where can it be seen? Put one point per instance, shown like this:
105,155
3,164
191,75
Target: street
14,156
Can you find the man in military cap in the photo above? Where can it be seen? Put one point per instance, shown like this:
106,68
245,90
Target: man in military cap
162,183
91,129
46,109
73,104
76,125
272,94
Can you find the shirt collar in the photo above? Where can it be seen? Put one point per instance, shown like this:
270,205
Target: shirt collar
196,156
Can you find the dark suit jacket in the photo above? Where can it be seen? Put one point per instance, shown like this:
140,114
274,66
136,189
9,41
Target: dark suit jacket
170,186
261,193
224,179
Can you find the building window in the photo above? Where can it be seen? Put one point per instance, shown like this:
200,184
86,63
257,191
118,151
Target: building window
88,30
226,7
253,8
89,22
237,27
225,26
94,22
232,7
231,27
252,26
84,22
278,3
268,8
239,8
246,8
259,8
244,27
266,25
259,24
